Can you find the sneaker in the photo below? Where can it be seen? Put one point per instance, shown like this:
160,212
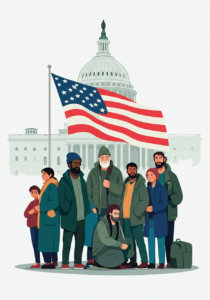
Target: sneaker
79,266
55,263
65,267
35,266
123,266
168,265
161,266
143,265
90,261
48,266
151,266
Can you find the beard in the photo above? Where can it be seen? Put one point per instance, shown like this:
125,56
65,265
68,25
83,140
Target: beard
114,219
75,170
132,175
159,165
104,164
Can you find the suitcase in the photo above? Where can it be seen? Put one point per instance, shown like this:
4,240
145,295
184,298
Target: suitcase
181,254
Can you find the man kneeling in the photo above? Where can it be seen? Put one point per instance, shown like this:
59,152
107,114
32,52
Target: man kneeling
110,248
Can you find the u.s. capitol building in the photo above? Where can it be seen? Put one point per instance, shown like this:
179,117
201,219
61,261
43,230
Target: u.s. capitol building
29,151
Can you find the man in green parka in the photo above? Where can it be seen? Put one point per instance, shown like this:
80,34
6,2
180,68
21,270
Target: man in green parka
74,206
110,248
168,179
104,185
135,200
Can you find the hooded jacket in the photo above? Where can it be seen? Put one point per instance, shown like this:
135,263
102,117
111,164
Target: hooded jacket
174,192
103,235
139,201
94,186
159,204
67,200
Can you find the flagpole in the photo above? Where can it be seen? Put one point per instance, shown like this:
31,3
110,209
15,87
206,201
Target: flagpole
49,118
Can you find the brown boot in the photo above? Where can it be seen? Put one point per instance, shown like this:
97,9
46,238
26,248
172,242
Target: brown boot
168,265
125,266
143,265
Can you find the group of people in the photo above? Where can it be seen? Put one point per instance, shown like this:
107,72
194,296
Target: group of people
109,216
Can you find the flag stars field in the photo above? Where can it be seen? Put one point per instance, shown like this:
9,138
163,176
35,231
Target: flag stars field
63,92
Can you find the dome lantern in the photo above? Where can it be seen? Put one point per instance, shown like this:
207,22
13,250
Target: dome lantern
103,42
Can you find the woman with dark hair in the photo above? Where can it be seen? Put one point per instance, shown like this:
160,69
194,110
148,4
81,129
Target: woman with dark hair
48,220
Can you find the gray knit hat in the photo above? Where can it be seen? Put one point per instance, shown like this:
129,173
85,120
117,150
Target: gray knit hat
103,151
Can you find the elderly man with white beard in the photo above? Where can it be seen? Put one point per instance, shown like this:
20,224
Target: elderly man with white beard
104,186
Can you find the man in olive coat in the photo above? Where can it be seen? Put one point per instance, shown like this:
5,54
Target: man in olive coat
104,185
135,201
74,206
168,179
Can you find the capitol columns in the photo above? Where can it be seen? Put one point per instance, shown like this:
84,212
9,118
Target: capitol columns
115,153
121,157
129,153
140,154
146,166
94,152
86,156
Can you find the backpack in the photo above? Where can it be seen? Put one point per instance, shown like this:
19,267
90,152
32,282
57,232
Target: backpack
181,254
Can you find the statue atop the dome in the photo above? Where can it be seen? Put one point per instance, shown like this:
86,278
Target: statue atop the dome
103,33
103,25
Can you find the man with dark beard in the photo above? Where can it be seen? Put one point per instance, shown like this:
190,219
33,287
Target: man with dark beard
170,181
110,248
135,201
74,206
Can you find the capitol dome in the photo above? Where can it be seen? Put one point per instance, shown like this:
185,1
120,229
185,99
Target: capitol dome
103,71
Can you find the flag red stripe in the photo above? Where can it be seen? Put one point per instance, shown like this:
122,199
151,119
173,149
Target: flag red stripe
99,134
112,94
128,132
136,110
148,126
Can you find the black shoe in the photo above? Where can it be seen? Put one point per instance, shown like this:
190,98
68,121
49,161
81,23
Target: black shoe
151,266
51,266
133,264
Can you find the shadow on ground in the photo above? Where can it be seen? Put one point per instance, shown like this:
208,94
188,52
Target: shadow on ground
127,272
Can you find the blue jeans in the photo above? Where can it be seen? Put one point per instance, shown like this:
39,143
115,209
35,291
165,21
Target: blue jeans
151,244
34,238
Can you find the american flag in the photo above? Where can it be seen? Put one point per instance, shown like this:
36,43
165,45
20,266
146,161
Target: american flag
110,116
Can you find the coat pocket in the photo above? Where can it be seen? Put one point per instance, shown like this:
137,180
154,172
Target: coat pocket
48,221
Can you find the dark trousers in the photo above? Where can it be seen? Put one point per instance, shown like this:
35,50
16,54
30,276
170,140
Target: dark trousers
135,233
79,243
169,239
89,250
50,257
34,238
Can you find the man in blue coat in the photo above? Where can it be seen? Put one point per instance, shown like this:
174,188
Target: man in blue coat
74,206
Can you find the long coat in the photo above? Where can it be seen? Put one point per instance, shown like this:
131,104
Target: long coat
174,191
91,221
139,201
68,203
159,204
49,228
94,186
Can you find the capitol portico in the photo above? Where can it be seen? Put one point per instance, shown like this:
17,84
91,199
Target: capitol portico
29,151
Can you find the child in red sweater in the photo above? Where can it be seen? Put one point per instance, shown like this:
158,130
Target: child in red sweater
31,215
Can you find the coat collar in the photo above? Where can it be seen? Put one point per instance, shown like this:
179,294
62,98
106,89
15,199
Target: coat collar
157,185
139,180
66,176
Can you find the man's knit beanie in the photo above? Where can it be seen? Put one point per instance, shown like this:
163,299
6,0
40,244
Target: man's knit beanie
104,151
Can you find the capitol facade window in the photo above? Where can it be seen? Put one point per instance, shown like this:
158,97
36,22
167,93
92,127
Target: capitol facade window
45,148
102,73
25,158
111,74
45,160
58,148
93,73
90,74
25,148
35,159
16,148
58,160
34,149
98,73
16,158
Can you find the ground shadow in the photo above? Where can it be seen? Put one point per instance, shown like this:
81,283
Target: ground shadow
127,272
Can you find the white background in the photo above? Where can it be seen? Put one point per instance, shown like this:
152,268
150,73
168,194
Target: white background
165,46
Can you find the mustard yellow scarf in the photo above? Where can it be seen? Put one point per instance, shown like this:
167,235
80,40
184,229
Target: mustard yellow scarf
50,213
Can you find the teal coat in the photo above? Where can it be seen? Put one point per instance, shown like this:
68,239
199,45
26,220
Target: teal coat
94,186
67,201
174,192
139,201
49,228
